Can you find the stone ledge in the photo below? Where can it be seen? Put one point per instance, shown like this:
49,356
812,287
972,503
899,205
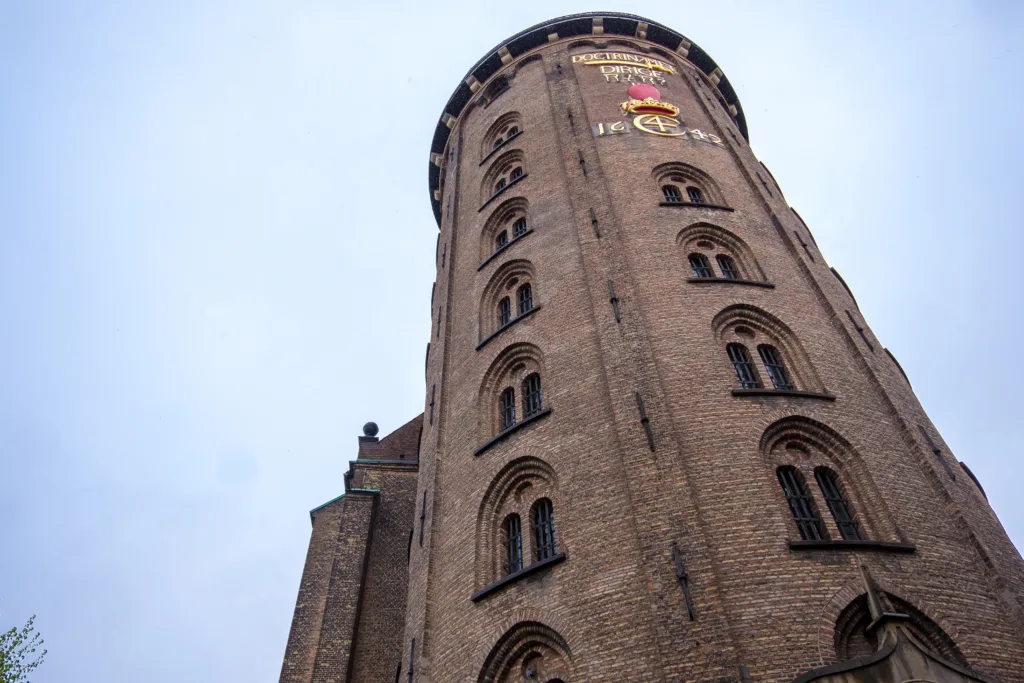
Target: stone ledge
502,250
876,546
732,281
515,576
784,392
507,325
516,427
691,205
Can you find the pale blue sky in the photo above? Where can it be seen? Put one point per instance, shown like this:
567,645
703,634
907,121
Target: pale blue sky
216,254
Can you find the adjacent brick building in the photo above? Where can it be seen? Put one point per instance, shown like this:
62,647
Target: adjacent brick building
660,441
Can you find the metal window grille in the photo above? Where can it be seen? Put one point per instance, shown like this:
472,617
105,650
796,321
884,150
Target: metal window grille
532,399
499,185
507,405
743,367
773,364
501,240
497,143
512,131
728,267
544,530
519,227
848,527
513,545
800,505
517,173
701,267
525,297
695,195
672,194
504,312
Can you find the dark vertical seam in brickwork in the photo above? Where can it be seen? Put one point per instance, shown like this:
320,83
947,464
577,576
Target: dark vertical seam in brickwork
614,300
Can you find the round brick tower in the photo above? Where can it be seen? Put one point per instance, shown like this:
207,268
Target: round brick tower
660,441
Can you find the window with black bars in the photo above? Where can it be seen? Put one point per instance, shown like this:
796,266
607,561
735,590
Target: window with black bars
829,485
672,194
504,311
773,364
544,530
800,505
513,544
700,266
517,173
532,402
525,299
501,240
519,227
695,195
744,368
500,185
512,131
728,267
507,406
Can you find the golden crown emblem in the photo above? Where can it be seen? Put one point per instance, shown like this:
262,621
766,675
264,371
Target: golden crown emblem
646,99
649,105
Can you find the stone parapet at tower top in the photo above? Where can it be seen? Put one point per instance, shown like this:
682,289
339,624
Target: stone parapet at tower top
660,441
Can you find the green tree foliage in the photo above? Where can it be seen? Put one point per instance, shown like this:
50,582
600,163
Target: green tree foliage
18,653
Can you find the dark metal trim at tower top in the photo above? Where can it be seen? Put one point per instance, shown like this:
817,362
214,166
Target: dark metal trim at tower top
570,26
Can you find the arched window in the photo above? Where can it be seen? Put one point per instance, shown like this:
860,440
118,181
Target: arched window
519,227
543,516
773,364
513,544
499,185
700,266
745,372
532,399
829,486
512,131
525,299
507,406
695,195
504,311
728,267
517,173
800,505
501,240
498,141
672,194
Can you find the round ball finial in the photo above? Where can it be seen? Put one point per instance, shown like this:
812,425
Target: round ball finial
370,429
641,91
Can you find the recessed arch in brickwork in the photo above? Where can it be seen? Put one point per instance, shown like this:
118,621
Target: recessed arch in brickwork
840,614
713,240
501,170
507,281
501,219
808,445
684,176
528,651
503,128
752,327
514,490
513,365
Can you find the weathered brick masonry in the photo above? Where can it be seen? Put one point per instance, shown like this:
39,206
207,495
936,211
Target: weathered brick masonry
596,490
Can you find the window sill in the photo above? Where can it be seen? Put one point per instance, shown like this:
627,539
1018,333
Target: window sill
877,546
731,281
495,150
514,428
504,189
691,205
512,578
507,325
784,392
502,250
